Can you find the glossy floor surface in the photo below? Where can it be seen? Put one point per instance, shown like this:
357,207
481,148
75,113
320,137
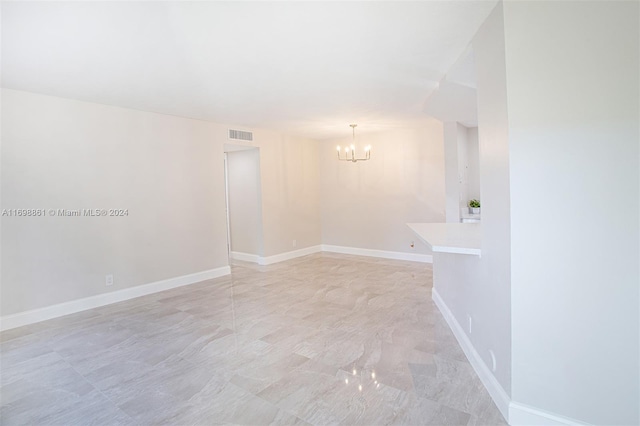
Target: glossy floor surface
323,339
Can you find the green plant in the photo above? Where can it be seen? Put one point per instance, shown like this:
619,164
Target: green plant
474,204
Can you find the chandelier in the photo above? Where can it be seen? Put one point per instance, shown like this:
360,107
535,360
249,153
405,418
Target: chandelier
350,151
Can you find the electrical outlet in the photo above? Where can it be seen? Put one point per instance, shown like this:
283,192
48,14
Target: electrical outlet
294,243
108,279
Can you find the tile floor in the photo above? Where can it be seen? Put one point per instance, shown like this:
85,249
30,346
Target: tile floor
323,339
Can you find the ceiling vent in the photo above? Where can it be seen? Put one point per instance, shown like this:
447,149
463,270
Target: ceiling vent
240,135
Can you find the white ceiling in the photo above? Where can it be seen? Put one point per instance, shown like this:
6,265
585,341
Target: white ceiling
308,68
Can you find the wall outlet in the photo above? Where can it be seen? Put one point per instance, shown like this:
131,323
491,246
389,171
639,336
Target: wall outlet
108,279
294,243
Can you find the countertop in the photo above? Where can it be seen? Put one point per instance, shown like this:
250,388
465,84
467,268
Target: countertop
470,216
460,238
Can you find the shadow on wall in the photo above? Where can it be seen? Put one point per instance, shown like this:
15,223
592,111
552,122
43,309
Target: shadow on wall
244,201
367,204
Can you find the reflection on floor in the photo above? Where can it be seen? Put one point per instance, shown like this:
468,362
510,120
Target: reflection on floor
321,339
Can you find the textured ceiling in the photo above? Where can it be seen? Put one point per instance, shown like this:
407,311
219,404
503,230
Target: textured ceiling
308,68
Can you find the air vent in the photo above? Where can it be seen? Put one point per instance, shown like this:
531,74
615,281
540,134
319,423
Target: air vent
240,135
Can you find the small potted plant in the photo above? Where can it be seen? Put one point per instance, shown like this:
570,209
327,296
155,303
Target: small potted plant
474,206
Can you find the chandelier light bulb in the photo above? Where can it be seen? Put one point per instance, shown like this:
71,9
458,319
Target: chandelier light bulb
350,150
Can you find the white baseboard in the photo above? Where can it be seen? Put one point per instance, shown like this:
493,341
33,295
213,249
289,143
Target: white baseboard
517,414
497,393
281,257
245,257
397,255
36,315
525,415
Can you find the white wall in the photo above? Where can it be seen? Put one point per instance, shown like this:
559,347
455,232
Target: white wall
463,165
245,201
480,287
452,172
494,325
367,204
462,168
473,164
65,154
572,79
566,136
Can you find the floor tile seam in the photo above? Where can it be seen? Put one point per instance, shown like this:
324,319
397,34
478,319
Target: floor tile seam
50,341
51,351
146,386
44,341
94,387
269,402
300,367
439,403
465,411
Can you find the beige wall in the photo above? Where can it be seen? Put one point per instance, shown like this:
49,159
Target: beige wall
290,193
289,174
367,204
167,171
64,154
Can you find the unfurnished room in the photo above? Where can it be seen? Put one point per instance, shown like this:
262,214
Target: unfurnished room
320,212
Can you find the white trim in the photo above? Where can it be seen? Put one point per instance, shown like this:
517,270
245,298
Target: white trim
489,381
288,255
457,250
525,415
397,255
245,257
36,315
281,257
516,413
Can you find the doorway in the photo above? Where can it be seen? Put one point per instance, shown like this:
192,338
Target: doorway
244,202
